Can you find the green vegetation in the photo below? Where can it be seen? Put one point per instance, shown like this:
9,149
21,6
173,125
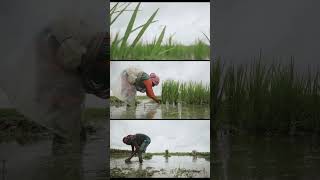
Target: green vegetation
10,113
185,92
265,98
155,50
117,153
183,153
139,98
114,101
16,127
147,156
166,153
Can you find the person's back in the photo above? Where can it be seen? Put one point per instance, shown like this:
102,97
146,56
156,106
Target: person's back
140,138
133,80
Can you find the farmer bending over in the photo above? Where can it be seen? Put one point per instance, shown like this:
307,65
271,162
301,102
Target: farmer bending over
138,141
133,80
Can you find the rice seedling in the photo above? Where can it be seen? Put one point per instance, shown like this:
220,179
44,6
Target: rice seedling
158,49
266,98
216,86
175,92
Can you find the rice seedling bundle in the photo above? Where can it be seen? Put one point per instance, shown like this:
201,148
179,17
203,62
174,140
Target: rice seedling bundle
191,92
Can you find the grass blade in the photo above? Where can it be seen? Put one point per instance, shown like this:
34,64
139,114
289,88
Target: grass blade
144,28
128,31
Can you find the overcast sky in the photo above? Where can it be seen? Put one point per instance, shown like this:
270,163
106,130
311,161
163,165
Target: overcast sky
281,28
175,135
176,70
187,20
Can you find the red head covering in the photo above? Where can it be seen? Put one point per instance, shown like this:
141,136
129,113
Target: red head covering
155,79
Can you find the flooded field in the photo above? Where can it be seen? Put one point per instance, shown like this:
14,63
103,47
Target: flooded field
38,159
160,166
146,109
264,158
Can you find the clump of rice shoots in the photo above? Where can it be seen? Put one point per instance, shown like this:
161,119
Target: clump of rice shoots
170,91
174,92
267,98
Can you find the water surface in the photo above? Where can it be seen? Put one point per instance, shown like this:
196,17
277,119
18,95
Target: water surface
37,160
147,109
166,166
266,158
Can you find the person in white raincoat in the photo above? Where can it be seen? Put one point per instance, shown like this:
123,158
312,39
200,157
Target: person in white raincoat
51,57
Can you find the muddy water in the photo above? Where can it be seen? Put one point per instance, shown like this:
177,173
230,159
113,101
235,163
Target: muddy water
264,158
166,167
147,109
37,161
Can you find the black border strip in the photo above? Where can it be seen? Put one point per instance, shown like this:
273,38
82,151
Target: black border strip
162,178
162,60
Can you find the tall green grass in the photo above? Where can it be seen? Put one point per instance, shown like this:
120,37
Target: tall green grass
266,98
158,49
190,92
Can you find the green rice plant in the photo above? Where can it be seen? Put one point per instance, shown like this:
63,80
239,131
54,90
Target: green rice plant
234,93
125,48
201,50
190,92
155,50
217,86
266,98
147,156
170,91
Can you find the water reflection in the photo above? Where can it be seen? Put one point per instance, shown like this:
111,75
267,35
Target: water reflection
166,166
194,159
40,160
250,157
150,110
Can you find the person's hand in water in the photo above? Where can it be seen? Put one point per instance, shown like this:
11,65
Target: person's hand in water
157,100
127,160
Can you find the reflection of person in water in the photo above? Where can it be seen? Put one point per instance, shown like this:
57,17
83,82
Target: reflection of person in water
133,80
139,142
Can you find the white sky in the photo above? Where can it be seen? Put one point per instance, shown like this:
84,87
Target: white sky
175,135
176,70
187,20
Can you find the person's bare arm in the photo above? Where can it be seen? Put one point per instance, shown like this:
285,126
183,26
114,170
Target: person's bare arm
135,145
149,90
